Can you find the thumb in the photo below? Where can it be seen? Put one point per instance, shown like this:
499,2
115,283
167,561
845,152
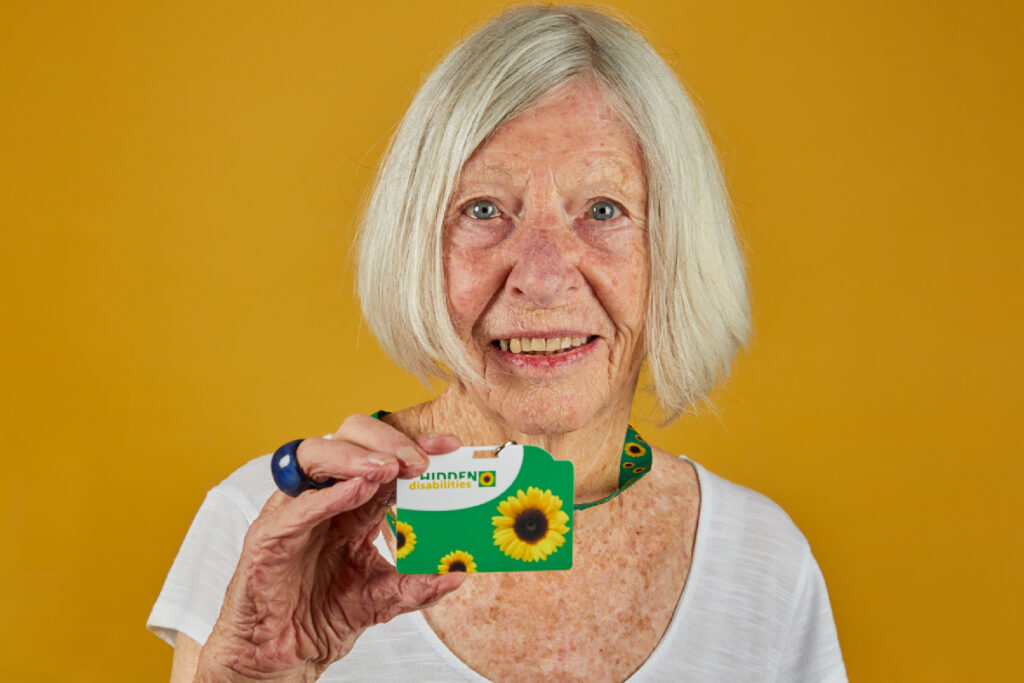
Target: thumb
437,444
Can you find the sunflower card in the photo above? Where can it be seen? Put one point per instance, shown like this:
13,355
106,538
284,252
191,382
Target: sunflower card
486,509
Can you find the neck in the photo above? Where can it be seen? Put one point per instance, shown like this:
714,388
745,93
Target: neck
594,448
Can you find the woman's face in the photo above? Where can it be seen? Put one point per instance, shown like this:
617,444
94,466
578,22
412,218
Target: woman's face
546,248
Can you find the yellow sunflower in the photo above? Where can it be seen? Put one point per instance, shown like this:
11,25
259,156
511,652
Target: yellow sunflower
531,525
635,449
405,539
457,561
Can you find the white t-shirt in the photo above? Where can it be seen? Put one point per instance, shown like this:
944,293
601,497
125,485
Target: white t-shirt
754,607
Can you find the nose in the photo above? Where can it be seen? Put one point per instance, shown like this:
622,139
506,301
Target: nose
546,263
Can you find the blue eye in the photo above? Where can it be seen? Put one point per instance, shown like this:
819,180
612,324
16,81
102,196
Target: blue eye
604,211
483,210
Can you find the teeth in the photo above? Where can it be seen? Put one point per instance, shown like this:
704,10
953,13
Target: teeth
540,345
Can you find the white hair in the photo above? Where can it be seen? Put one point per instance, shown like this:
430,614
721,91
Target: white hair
697,314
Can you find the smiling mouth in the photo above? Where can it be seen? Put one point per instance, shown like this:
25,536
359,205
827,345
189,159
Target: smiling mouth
541,346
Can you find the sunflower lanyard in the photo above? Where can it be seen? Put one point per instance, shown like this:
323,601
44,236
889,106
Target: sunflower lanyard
635,462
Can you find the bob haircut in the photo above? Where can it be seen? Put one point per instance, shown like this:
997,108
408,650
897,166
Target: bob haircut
697,314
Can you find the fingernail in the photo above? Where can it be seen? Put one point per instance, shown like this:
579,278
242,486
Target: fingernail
441,435
410,456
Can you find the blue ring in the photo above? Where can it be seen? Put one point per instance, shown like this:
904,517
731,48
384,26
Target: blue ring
288,476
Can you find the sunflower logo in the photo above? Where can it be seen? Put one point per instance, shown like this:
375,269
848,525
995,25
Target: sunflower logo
531,525
457,561
635,449
405,538
486,479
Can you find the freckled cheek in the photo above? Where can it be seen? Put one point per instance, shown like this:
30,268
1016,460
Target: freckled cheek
471,284
621,284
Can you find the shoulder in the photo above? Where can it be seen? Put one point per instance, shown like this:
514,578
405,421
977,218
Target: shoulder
734,521
754,561
734,515
190,599
748,549
754,595
247,488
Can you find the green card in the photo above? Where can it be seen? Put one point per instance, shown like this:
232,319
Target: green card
475,511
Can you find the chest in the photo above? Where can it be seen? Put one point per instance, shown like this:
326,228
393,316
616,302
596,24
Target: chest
598,621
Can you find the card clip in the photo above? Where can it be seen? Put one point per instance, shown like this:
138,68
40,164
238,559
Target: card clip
493,453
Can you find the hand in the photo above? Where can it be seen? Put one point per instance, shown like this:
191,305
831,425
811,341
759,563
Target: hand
309,580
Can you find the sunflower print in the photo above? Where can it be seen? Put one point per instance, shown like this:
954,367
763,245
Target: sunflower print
531,525
405,539
635,449
457,561
487,479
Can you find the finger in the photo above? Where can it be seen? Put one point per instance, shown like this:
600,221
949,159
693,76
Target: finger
285,515
287,529
401,593
378,436
323,459
437,444
367,520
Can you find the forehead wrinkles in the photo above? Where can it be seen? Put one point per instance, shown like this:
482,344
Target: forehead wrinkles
488,169
593,167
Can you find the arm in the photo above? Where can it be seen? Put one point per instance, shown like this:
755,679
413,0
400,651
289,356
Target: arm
309,580
186,659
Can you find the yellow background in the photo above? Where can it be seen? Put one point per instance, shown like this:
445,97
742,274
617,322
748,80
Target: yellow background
179,187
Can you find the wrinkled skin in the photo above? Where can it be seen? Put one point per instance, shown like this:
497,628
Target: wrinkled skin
310,581
540,264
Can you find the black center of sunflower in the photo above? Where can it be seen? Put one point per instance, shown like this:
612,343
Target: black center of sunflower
400,537
457,566
531,525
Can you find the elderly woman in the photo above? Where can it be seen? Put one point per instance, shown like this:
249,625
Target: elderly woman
549,217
